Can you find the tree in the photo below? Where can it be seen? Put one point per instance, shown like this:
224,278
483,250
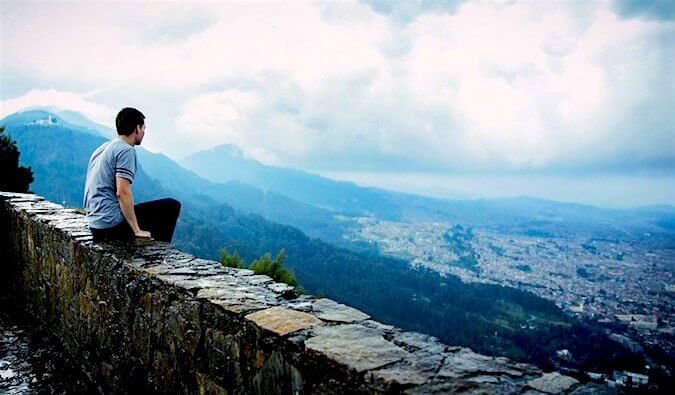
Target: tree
231,260
13,178
264,265
274,268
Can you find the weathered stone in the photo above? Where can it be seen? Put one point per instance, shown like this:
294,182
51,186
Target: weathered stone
278,376
427,356
330,310
413,341
465,362
206,386
20,196
206,282
280,288
465,387
259,279
240,305
398,375
593,389
282,321
354,346
300,303
241,272
237,298
146,317
380,327
172,279
553,383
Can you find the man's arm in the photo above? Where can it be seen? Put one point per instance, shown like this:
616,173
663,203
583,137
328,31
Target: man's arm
126,200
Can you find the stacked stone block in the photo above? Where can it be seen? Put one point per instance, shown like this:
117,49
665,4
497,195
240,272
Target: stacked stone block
146,316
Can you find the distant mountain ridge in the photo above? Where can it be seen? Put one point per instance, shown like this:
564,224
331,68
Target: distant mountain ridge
45,118
226,163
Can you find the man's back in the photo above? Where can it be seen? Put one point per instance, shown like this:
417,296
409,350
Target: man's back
113,159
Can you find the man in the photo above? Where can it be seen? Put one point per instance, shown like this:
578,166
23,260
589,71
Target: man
108,200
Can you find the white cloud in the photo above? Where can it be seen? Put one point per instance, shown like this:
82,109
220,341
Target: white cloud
481,85
74,101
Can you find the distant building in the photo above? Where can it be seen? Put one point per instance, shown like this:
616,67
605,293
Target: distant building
650,325
628,343
564,355
577,309
595,376
630,380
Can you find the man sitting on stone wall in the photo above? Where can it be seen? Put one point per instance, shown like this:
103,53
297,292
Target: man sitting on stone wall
108,200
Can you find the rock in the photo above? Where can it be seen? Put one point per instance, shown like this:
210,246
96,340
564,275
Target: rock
301,303
240,272
553,383
282,321
355,346
280,288
413,341
276,370
207,386
593,389
259,279
206,282
465,363
237,298
330,310
475,387
417,369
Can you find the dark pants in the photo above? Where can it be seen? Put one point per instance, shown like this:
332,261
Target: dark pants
158,217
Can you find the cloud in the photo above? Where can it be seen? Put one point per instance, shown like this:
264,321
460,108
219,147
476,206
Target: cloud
660,10
404,12
172,23
377,86
74,101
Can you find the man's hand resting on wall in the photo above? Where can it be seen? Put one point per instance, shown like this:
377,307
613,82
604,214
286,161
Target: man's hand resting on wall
126,200
142,234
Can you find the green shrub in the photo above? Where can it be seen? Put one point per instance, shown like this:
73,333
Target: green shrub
231,260
274,268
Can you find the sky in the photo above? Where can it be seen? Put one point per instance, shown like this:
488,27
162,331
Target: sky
519,89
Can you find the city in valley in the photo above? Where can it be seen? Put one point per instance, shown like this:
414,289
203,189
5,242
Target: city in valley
623,284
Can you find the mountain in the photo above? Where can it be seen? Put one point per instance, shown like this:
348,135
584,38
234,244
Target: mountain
514,215
41,117
227,163
75,118
487,318
277,207
78,119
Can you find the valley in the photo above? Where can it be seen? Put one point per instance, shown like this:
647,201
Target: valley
623,284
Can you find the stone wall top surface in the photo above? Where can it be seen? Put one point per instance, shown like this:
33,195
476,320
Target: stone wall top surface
382,356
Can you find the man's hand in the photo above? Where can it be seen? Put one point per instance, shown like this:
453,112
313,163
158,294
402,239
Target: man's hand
144,234
126,200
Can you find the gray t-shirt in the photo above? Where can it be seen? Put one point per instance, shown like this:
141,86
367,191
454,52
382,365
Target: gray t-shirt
113,159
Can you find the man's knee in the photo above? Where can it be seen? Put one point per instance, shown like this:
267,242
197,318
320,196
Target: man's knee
174,204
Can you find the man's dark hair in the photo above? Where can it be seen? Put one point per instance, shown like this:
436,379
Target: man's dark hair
127,120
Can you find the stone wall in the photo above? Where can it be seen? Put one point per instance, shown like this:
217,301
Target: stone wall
146,316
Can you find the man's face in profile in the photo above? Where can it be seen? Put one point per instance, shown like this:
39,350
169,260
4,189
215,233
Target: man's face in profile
140,133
